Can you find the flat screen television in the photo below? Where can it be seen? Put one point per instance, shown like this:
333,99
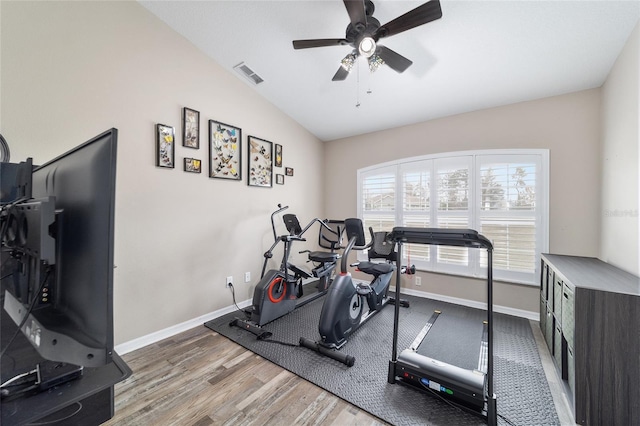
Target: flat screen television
62,295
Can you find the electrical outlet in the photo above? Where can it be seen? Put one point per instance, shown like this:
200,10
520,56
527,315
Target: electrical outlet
229,281
418,280
247,277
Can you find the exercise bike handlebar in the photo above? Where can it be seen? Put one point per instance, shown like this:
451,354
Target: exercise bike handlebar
321,222
273,224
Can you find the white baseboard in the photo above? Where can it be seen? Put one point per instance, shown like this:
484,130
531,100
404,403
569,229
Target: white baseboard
149,339
535,316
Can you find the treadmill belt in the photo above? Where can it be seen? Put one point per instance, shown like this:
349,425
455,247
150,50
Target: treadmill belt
455,338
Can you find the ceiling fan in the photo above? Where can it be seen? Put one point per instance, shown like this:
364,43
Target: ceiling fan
364,31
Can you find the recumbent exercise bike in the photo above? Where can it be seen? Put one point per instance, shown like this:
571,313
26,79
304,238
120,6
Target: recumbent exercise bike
345,306
280,291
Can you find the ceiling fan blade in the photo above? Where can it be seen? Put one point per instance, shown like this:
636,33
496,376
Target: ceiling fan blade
341,74
396,61
428,12
320,42
356,11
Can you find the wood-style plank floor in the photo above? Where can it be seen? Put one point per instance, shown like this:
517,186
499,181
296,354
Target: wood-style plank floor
201,378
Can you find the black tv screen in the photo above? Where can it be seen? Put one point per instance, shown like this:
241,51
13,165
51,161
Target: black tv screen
76,324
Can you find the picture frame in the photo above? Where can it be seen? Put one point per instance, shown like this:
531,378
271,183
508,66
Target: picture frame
288,171
190,128
225,151
280,179
192,165
260,164
165,146
278,156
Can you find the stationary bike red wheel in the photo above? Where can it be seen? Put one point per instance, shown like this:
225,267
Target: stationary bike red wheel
277,290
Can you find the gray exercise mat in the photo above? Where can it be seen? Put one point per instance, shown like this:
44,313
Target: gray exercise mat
522,391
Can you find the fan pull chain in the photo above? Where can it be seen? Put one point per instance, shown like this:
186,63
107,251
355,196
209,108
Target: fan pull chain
357,84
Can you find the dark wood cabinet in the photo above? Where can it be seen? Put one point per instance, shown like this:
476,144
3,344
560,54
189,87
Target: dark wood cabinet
590,318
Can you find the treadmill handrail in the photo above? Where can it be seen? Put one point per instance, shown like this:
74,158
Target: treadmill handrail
440,236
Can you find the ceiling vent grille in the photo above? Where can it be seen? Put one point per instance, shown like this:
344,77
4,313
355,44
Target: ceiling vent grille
248,73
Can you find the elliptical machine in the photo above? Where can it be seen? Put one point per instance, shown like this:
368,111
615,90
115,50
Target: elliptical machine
280,291
345,306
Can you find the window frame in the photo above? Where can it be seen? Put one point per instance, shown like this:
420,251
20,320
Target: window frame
474,211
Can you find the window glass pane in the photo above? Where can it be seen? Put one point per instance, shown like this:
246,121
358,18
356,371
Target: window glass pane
415,186
378,192
508,186
453,189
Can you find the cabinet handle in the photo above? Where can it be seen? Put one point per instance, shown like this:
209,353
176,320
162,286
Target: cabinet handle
566,296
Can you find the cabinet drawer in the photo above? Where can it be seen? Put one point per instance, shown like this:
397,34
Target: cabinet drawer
557,297
568,320
571,367
557,346
544,281
548,330
550,288
543,313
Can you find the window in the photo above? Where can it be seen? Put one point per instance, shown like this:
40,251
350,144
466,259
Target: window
502,194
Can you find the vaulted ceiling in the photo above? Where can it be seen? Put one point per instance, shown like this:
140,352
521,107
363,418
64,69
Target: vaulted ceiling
480,54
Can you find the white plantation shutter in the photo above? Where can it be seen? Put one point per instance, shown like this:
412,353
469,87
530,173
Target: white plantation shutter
452,209
416,180
502,194
508,212
377,190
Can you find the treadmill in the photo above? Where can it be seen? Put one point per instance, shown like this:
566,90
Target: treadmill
471,390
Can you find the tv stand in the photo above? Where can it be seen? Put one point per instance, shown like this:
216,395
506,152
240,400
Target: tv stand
89,398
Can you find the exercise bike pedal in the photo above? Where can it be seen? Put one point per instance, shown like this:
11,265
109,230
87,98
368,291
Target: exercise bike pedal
363,289
402,302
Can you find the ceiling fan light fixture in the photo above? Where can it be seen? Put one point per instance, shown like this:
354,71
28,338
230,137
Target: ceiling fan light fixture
348,61
367,46
375,62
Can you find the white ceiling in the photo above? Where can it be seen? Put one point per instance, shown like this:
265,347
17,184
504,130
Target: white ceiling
480,54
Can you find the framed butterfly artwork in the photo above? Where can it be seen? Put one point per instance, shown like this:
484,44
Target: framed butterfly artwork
225,149
192,165
190,128
260,162
165,146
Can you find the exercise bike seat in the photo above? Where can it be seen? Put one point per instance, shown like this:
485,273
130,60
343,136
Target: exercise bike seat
323,256
376,269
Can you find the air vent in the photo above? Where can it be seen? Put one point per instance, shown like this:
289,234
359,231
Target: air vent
248,73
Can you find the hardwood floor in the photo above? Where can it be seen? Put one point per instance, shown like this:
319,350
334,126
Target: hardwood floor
202,378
